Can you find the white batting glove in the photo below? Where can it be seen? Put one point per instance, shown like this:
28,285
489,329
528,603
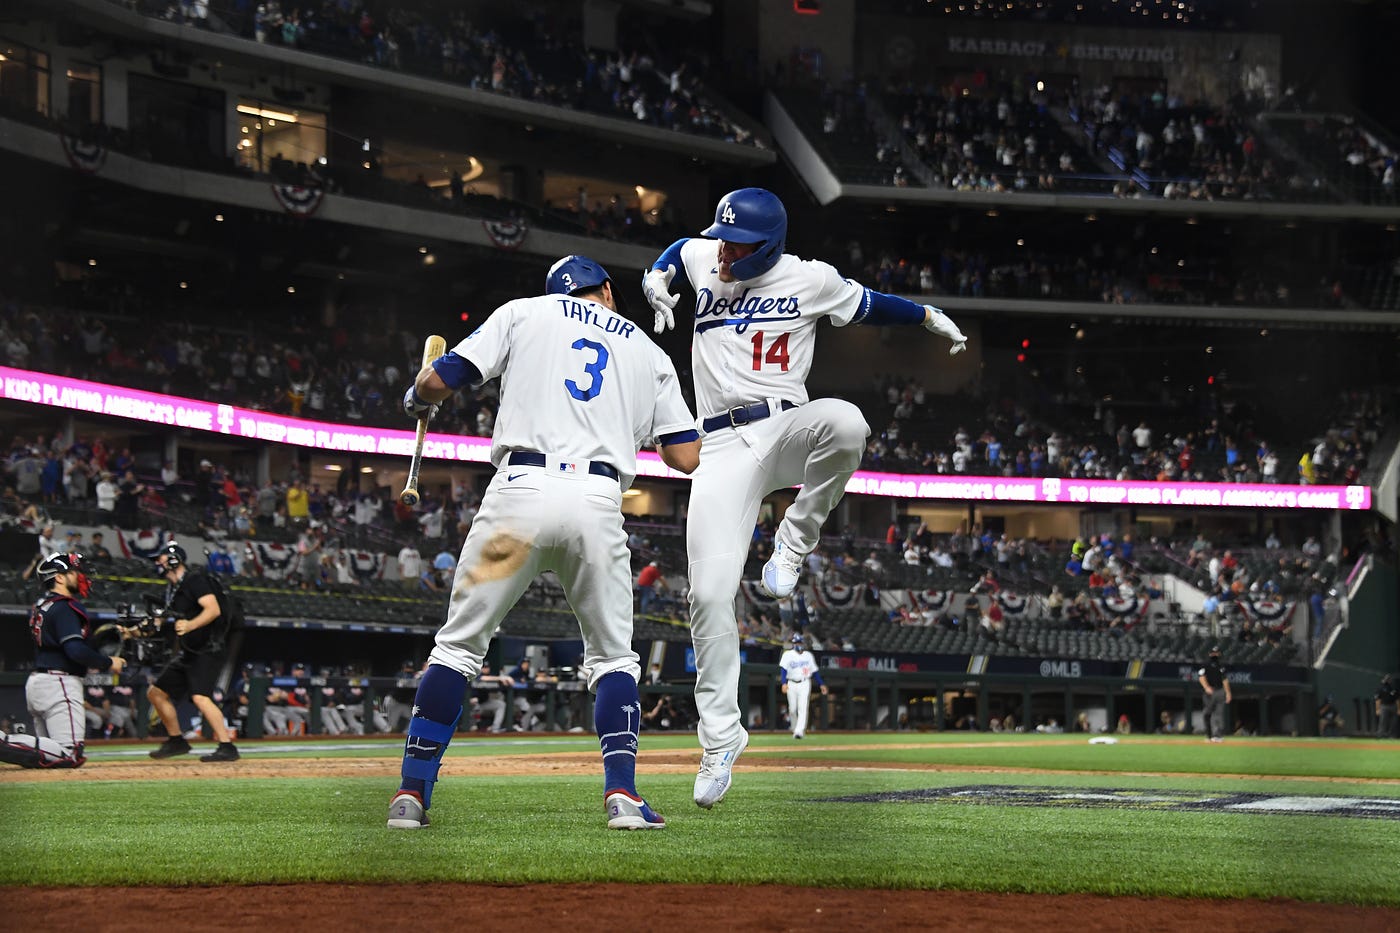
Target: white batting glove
656,285
415,407
939,323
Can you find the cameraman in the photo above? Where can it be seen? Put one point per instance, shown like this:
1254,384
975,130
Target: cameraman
54,691
201,630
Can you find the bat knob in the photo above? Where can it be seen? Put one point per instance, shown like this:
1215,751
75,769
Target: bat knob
408,497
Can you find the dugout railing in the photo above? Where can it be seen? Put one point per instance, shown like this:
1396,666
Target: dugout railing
895,701
858,700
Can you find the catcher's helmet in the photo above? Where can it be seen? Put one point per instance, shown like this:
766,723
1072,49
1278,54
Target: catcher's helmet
751,215
174,557
55,564
574,274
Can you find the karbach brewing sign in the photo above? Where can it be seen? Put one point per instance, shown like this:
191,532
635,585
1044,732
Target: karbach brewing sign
1079,51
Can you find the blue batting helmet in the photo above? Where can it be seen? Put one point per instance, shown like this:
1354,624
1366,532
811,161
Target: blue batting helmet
751,215
797,638
572,274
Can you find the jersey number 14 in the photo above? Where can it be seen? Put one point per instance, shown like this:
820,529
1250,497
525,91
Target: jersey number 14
777,352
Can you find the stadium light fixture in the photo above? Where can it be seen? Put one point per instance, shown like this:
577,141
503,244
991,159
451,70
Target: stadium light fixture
267,114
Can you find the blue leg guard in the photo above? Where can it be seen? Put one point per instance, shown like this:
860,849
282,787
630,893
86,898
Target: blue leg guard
617,717
437,709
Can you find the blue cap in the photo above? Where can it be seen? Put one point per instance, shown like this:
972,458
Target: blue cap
572,274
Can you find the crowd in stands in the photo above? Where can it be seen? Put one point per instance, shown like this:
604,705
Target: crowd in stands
523,51
353,375
354,372
1353,157
1187,150
330,533
1106,270
1000,138
1012,440
1004,137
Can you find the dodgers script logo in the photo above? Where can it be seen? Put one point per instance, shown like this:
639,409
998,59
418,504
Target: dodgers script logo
743,309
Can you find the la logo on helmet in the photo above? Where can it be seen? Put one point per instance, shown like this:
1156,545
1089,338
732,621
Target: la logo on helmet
727,214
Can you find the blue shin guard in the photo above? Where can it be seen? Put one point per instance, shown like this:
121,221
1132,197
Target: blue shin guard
617,716
437,708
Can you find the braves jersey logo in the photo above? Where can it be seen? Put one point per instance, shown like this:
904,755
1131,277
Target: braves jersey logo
40,611
751,309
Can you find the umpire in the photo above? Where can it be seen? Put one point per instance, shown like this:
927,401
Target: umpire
1387,705
1217,689
201,632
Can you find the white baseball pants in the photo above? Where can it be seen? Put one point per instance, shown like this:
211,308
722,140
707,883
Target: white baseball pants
798,693
817,445
541,518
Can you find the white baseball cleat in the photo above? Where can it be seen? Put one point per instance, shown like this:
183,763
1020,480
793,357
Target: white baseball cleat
717,771
628,812
782,570
406,812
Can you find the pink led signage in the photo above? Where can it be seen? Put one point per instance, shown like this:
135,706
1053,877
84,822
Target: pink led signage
134,404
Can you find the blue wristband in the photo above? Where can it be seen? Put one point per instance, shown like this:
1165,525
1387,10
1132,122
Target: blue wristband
880,310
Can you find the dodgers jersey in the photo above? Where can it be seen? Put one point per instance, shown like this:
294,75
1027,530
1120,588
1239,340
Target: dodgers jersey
797,665
577,381
754,339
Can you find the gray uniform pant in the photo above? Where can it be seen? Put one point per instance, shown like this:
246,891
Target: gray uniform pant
1214,714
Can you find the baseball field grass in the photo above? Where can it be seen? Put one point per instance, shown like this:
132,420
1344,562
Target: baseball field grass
1313,820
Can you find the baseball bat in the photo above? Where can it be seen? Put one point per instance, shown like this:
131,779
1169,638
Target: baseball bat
433,348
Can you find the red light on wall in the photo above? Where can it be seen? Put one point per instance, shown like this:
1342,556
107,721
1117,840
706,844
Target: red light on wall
1210,380
466,314
1020,357
1025,344
807,7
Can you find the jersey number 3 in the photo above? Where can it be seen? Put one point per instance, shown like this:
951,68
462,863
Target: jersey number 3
594,370
777,353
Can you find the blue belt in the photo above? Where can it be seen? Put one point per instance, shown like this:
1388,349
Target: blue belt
741,414
530,458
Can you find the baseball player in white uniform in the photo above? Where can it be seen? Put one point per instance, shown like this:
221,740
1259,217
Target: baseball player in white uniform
582,387
799,670
756,315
